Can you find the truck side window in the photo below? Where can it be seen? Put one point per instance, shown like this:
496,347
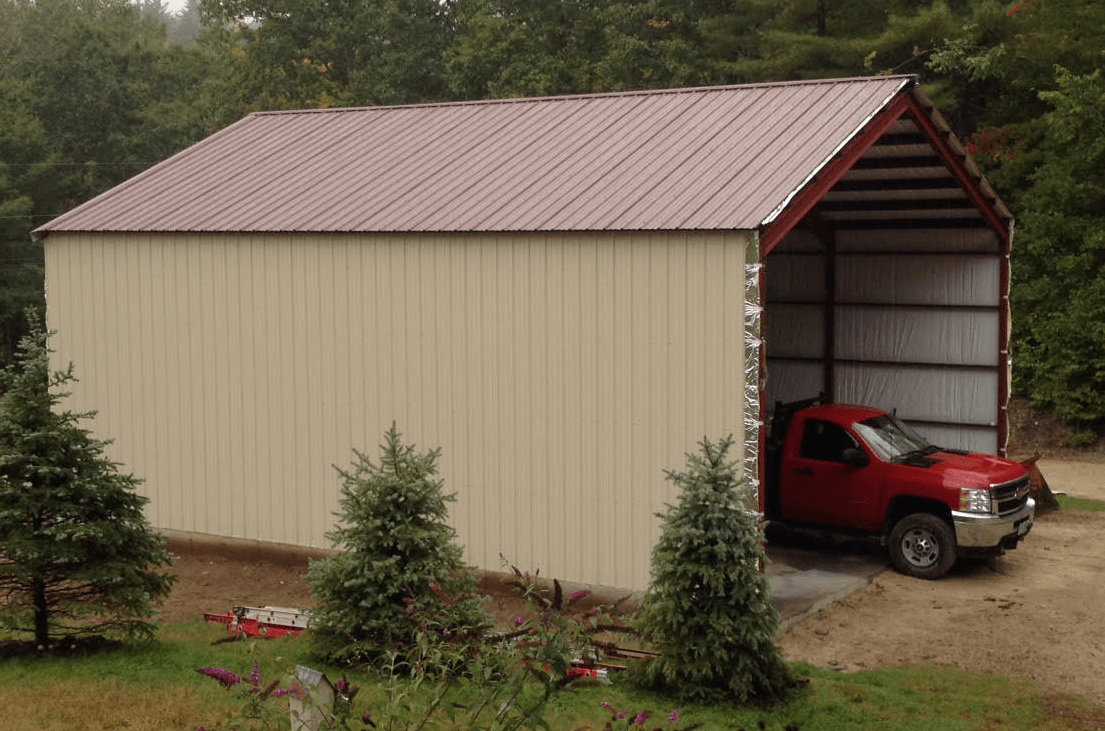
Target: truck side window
825,441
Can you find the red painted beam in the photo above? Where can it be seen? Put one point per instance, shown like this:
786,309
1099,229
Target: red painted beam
804,202
954,162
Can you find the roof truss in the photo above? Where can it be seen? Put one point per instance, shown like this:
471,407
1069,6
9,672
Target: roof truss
904,170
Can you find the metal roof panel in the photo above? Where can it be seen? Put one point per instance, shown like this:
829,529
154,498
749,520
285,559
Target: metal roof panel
706,158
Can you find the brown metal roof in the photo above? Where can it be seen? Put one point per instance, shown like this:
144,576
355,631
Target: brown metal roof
708,158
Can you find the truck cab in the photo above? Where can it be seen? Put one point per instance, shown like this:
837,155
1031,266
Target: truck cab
858,468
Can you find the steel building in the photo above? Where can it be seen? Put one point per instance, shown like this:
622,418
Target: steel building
565,294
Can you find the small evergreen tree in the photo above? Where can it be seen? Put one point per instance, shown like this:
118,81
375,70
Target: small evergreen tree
708,610
397,555
77,556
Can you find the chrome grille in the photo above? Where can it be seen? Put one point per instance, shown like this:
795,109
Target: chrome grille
1009,497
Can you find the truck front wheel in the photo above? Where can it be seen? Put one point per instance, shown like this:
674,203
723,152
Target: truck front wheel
922,545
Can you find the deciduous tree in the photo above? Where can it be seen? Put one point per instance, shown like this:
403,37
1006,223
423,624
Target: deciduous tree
1059,256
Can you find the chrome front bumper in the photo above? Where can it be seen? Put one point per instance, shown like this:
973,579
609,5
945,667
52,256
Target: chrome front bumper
973,530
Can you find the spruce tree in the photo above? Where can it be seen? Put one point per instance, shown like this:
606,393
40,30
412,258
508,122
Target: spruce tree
77,557
396,554
708,609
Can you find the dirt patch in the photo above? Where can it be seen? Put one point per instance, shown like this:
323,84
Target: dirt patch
209,582
1034,613
215,582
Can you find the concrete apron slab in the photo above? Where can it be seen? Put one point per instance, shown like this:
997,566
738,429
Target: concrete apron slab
807,572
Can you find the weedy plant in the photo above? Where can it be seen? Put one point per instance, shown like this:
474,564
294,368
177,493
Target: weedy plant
485,678
476,678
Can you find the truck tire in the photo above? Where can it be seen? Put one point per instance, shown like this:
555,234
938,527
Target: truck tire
922,545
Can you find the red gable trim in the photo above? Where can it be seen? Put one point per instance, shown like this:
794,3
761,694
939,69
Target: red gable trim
902,104
964,177
774,232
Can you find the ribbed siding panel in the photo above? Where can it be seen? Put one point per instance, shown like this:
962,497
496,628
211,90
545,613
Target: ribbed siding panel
560,375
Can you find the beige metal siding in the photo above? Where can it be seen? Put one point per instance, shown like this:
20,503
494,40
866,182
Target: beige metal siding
560,374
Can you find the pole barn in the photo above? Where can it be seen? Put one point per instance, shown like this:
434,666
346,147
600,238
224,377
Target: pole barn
565,294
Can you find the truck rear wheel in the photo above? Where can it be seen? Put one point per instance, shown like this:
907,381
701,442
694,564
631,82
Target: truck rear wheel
922,545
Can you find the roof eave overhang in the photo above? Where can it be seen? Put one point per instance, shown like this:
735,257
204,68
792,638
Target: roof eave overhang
906,102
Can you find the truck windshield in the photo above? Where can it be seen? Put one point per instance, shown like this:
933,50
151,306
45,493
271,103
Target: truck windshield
891,439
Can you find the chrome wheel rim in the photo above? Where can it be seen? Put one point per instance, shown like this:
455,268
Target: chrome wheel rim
920,548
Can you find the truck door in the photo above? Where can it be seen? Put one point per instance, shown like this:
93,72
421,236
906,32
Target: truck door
818,486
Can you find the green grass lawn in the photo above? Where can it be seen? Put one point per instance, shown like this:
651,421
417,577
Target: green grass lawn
156,687
1066,502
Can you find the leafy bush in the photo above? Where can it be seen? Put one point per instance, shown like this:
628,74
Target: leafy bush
76,553
396,548
1058,293
708,609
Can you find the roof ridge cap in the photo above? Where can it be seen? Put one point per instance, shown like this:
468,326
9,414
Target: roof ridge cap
592,95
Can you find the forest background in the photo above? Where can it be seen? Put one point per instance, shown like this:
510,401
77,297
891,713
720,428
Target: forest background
94,91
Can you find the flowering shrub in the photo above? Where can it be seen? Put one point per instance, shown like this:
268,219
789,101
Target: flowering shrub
259,708
262,707
625,719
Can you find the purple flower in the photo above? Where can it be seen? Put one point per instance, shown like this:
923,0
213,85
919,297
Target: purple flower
577,595
623,714
607,706
519,621
227,678
341,685
642,717
295,689
366,718
255,678
673,716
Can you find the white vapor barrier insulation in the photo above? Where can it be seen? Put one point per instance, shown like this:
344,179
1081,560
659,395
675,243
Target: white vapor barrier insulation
926,394
904,279
800,239
918,335
980,439
960,240
793,381
752,342
795,331
798,278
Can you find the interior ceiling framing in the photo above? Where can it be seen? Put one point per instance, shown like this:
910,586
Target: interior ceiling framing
901,182
908,189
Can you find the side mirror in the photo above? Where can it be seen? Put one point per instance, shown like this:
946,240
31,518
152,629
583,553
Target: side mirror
855,457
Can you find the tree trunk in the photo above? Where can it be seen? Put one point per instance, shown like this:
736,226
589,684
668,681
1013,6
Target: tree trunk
42,611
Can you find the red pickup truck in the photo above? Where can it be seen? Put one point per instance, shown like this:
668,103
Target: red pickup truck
861,469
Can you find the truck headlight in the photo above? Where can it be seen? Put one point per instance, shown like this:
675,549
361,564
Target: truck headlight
974,501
